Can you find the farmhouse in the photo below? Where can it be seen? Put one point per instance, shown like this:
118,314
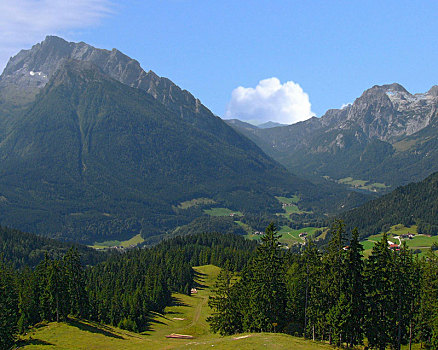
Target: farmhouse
394,247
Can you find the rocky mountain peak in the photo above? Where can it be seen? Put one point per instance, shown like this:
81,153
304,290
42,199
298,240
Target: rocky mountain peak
433,91
30,70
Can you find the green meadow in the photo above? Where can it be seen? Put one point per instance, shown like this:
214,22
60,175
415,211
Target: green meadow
187,316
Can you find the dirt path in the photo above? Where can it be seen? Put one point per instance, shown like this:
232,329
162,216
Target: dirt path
198,310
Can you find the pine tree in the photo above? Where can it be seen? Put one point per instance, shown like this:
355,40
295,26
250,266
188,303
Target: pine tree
266,287
405,293
353,289
226,318
8,306
427,316
28,299
75,283
380,301
334,275
313,296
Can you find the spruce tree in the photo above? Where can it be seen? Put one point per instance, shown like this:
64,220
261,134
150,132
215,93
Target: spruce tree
427,316
380,300
313,296
353,289
226,318
75,283
334,275
266,286
8,306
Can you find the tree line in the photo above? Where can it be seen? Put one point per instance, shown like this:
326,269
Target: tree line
333,295
121,291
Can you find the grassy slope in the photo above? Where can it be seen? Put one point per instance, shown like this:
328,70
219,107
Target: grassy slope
137,239
193,310
421,242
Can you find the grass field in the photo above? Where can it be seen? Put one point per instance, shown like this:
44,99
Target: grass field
137,239
362,184
187,316
221,212
195,202
419,241
289,236
291,207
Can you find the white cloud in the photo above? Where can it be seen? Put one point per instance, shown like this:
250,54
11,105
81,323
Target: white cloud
26,22
270,101
345,105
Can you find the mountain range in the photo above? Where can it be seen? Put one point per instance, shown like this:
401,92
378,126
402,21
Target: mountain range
92,147
386,138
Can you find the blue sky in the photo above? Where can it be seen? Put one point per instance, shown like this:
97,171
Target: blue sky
331,50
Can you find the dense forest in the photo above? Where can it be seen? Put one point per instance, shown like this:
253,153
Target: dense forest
121,291
26,249
329,293
335,295
416,203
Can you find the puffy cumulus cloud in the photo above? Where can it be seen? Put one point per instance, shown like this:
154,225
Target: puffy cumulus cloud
25,22
270,101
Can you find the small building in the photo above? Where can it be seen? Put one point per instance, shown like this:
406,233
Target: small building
394,247
193,291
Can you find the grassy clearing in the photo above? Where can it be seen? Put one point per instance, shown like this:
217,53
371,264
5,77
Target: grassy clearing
288,200
187,316
195,202
362,184
289,206
246,227
137,239
222,212
419,241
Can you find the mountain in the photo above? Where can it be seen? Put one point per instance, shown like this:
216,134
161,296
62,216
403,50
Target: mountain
98,149
416,203
388,137
269,125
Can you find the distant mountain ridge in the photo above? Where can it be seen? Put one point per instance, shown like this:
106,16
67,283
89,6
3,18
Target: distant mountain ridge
387,135
94,148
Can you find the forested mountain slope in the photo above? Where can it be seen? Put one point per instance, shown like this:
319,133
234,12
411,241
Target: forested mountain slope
98,149
93,158
416,203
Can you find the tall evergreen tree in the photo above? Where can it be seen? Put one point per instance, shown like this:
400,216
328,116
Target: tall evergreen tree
8,306
427,316
226,318
313,297
353,289
75,283
28,299
380,301
333,277
267,291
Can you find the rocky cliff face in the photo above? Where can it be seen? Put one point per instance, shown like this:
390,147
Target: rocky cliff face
385,129
30,70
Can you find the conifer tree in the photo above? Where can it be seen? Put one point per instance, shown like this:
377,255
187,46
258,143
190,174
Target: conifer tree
313,296
75,283
334,274
353,289
226,318
8,306
28,299
266,287
380,301
405,292
427,316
